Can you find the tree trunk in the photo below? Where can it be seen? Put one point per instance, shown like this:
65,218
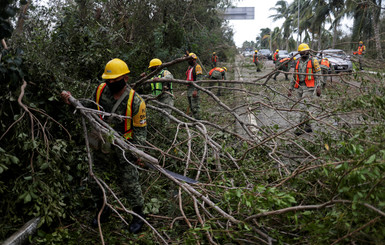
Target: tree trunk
270,42
376,12
20,21
335,32
320,38
287,43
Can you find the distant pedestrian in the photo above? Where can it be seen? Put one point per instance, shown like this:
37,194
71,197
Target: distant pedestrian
276,56
193,73
360,52
256,61
326,68
162,89
218,73
282,65
214,60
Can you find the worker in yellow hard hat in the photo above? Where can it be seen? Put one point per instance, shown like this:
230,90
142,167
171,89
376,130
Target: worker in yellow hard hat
218,73
162,89
256,61
115,96
306,85
193,73
326,68
360,52
276,56
214,59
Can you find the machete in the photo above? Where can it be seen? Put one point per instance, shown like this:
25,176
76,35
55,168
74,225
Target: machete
175,175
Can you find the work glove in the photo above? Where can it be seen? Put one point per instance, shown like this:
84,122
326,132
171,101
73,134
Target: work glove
65,95
143,74
318,91
289,93
195,94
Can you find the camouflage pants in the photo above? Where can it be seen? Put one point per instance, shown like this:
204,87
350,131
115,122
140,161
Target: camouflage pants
193,102
258,65
113,166
360,61
168,100
219,84
306,95
281,69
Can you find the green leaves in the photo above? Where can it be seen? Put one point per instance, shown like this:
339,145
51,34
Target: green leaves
371,159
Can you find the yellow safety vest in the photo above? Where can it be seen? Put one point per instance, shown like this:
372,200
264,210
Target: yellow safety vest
140,121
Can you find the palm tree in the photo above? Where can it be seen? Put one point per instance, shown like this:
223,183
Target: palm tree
376,13
366,18
264,37
276,38
281,9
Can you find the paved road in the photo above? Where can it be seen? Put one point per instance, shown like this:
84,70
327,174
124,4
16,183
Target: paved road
264,113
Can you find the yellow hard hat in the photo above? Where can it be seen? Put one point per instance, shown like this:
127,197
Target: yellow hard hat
256,51
224,68
361,42
155,62
193,55
115,68
303,47
277,50
213,52
294,58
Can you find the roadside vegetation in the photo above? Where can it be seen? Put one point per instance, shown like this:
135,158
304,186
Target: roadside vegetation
258,183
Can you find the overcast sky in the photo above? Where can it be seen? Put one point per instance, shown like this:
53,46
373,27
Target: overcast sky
247,30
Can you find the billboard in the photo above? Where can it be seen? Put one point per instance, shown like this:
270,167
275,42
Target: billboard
239,13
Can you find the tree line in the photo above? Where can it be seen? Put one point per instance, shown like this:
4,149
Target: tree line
319,23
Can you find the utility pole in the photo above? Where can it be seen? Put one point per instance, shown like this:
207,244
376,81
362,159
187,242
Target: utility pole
298,40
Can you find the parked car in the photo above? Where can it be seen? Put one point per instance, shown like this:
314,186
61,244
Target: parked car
248,53
265,53
338,58
283,54
295,55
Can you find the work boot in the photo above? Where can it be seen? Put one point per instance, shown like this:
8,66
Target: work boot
136,223
103,217
308,128
298,131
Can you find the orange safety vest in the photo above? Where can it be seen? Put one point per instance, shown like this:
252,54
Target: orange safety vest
127,121
325,62
214,58
361,49
283,60
216,69
255,58
275,56
309,79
